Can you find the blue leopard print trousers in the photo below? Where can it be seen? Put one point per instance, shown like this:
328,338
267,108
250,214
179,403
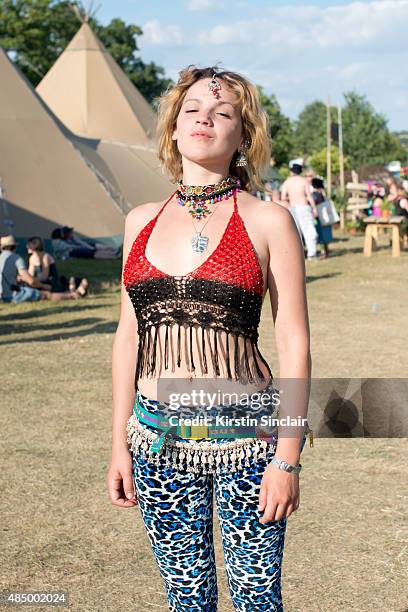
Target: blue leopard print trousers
177,511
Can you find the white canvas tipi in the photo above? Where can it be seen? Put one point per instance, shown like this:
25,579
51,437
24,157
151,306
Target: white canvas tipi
45,181
93,96
113,123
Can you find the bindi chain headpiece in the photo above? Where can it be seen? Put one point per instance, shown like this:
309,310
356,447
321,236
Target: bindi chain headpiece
214,86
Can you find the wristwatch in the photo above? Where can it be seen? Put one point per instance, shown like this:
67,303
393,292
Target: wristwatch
287,467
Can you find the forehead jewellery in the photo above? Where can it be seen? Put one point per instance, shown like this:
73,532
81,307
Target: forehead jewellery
214,86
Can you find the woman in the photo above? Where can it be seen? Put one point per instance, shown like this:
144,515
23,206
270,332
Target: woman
401,209
42,265
196,270
309,176
401,202
392,187
88,248
66,247
376,200
324,232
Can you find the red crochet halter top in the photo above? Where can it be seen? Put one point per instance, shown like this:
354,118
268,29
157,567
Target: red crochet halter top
223,295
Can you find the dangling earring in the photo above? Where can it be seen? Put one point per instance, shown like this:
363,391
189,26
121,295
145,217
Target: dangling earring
241,159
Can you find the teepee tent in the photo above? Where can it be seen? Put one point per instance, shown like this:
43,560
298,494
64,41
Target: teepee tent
93,96
132,173
114,125
45,181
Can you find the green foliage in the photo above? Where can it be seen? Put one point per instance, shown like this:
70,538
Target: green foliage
339,201
39,30
318,161
367,139
403,138
387,205
311,127
356,224
281,129
284,172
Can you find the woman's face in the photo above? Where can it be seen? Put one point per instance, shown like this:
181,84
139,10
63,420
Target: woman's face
208,129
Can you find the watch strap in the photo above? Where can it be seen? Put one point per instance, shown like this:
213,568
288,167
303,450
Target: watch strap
287,467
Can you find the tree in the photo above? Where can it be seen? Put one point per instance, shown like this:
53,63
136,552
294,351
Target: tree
318,161
281,128
403,138
37,31
367,139
310,129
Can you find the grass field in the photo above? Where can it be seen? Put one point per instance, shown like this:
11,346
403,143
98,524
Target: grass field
346,546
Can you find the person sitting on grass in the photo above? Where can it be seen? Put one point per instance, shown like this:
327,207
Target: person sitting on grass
61,249
42,265
64,249
17,284
95,249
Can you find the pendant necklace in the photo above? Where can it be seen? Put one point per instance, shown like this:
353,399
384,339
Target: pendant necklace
199,199
199,242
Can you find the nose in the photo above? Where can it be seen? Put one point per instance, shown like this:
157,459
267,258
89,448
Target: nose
204,117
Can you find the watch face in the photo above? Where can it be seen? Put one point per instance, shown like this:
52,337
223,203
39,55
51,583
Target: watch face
283,465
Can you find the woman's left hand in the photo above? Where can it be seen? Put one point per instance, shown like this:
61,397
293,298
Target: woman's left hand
279,494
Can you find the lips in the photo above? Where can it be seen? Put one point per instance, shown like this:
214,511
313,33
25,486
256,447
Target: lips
202,134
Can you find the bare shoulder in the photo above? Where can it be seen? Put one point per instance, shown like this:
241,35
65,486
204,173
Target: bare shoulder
269,216
48,258
34,258
141,214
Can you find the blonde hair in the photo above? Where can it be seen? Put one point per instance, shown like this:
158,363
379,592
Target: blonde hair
255,125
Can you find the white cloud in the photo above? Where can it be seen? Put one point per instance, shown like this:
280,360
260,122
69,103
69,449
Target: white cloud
360,24
357,25
157,33
223,35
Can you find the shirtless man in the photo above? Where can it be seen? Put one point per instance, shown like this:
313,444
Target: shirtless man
297,197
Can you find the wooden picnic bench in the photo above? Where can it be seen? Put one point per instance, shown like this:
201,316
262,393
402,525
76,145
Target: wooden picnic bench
371,233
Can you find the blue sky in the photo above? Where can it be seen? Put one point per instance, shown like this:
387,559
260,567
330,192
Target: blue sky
301,50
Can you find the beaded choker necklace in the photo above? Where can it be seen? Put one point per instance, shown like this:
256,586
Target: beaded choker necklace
198,198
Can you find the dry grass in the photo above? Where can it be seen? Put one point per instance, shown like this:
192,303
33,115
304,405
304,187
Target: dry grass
346,546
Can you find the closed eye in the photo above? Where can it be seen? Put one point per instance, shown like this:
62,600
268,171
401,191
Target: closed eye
194,110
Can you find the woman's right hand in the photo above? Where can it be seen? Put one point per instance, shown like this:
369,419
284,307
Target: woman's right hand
119,480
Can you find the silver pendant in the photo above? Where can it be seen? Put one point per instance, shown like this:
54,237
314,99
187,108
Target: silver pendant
199,243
